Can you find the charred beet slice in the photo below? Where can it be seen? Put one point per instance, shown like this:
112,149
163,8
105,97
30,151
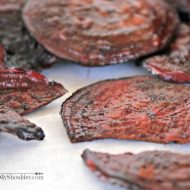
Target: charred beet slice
100,32
175,65
151,170
13,123
25,91
22,50
138,108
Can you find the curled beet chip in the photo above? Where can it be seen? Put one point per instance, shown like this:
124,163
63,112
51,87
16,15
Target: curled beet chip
175,65
13,123
151,170
100,32
25,91
138,108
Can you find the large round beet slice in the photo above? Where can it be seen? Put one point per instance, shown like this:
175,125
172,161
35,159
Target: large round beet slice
138,108
99,32
150,170
175,65
22,50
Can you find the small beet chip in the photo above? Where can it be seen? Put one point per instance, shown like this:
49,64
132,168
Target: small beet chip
175,64
13,123
151,170
25,91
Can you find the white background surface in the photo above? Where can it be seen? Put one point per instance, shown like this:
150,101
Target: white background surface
56,157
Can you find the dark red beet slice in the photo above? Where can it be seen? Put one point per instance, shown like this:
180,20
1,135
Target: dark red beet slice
22,50
13,123
138,108
102,32
25,91
151,170
175,65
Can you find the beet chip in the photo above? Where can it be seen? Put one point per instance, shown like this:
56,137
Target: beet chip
25,91
13,123
153,170
102,32
175,65
138,108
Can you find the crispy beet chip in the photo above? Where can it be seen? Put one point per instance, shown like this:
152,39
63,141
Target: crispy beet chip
102,32
13,123
138,108
175,65
25,91
153,170
22,50
2,57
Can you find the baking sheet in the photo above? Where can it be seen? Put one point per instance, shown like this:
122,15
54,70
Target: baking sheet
56,157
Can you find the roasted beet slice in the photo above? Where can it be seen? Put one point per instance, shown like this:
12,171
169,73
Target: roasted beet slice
25,91
13,123
151,170
175,65
22,50
138,108
2,57
102,32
